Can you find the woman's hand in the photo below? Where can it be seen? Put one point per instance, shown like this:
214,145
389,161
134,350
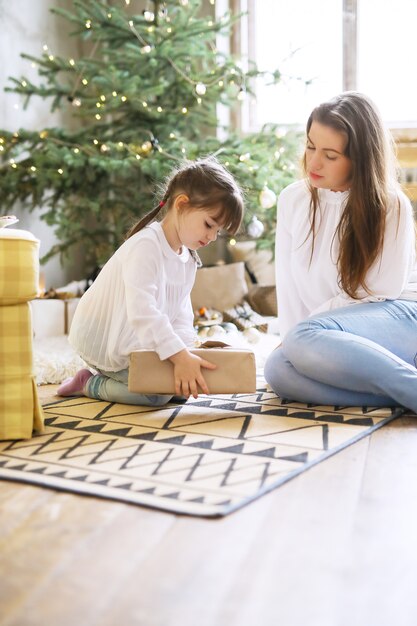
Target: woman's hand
187,373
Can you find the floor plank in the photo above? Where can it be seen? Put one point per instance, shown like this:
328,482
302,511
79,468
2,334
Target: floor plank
383,548
335,546
87,579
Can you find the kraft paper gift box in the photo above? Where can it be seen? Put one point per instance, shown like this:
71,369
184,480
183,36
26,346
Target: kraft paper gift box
52,317
235,373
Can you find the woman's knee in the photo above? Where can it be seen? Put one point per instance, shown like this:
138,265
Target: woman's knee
301,342
277,371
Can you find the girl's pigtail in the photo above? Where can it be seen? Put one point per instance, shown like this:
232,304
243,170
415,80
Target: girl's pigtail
145,220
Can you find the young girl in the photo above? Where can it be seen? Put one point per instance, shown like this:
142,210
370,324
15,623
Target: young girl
141,298
346,268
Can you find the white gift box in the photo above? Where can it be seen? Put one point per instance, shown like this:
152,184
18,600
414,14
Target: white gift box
70,306
48,318
52,317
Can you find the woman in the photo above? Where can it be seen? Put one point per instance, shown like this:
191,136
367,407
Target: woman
346,268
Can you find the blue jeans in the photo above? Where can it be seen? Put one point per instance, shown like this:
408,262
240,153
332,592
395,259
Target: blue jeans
112,387
360,355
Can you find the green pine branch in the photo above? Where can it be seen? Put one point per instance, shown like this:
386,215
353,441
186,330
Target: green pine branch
136,113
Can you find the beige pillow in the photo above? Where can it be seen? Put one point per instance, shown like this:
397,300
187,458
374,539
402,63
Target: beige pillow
219,287
263,299
258,262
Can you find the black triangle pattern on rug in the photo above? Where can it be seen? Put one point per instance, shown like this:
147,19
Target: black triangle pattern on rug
206,457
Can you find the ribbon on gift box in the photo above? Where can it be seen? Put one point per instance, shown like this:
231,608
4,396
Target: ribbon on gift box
245,317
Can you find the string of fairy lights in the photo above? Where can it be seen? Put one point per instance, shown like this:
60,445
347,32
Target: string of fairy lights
231,76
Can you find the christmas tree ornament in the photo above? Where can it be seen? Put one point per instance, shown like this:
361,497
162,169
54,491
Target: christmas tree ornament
255,228
252,334
215,330
267,198
229,327
75,102
147,80
200,89
7,220
149,15
146,147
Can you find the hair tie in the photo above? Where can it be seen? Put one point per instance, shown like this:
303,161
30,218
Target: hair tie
161,204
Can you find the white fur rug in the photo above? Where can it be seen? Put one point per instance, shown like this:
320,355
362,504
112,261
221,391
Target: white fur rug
55,360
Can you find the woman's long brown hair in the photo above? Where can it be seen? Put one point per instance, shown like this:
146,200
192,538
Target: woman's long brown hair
361,228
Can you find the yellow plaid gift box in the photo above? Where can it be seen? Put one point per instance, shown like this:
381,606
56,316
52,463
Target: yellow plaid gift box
20,410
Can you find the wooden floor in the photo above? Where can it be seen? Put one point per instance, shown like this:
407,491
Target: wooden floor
336,546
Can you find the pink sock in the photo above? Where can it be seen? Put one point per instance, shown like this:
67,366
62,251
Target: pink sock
74,386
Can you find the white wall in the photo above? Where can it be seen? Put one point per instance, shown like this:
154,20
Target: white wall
26,25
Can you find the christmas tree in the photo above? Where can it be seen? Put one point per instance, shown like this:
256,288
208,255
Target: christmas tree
144,98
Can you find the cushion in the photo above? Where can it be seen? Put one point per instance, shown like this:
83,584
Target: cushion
20,409
19,266
263,299
259,263
20,412
219,287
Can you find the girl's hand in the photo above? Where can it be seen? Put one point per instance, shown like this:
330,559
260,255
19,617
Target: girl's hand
187,373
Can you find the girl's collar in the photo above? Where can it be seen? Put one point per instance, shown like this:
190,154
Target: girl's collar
166,248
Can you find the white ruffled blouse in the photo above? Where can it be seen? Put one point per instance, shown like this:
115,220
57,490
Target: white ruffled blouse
306,285
140,300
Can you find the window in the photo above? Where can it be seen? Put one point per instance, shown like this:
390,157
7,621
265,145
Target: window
305,40
387,58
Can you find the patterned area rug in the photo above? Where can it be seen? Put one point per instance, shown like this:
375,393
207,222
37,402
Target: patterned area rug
205,457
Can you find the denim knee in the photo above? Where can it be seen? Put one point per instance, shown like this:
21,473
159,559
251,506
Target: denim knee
296,338
276,372
269,368
158,400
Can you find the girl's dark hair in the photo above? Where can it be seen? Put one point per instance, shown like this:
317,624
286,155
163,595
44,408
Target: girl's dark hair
361,228
207,184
